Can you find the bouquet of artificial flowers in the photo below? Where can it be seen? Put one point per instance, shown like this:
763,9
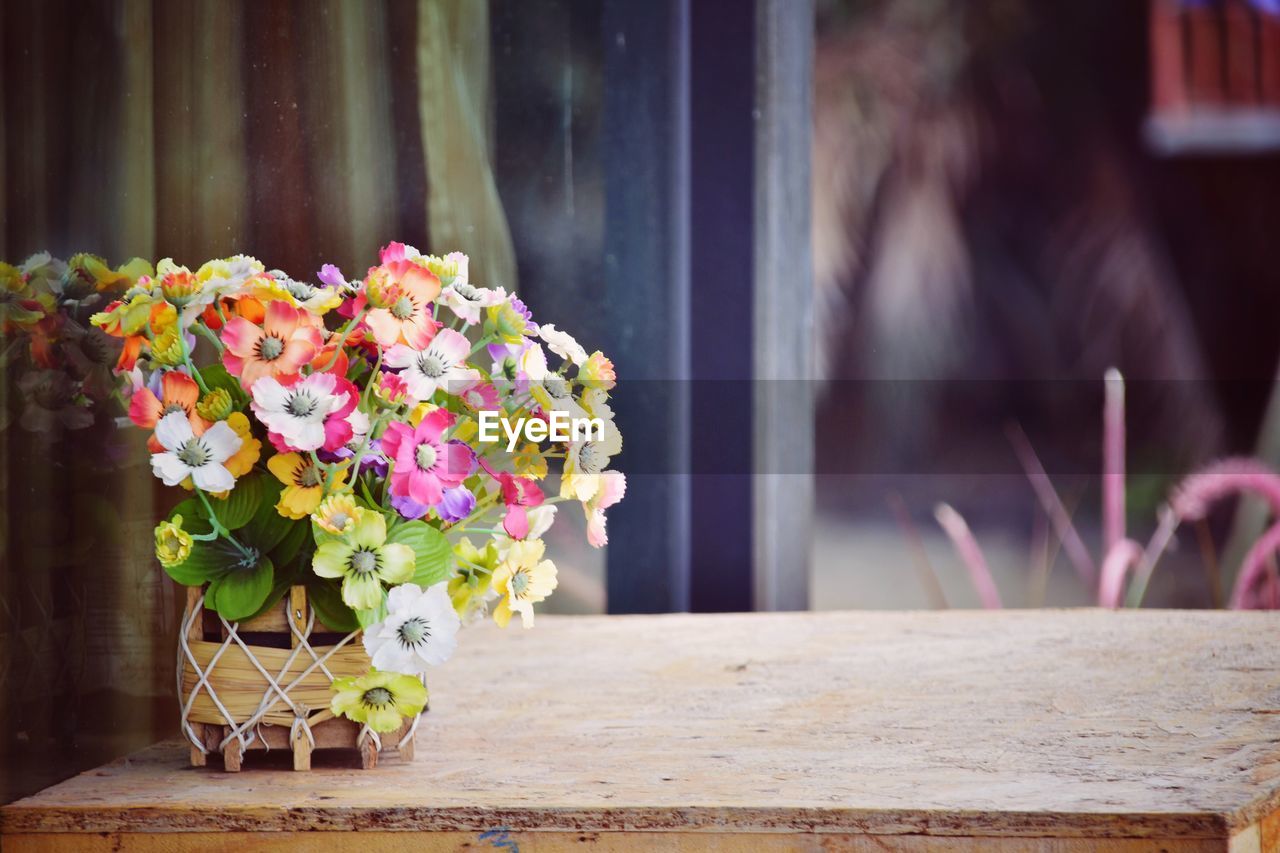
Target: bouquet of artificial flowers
332,434
58,362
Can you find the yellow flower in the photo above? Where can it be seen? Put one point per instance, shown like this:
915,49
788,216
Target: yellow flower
465,429
173,544
508,325
104,279
447,268
522,579
420,411
469,587
380,700
243,460
364,559
168,348
529,462
303,483
337,514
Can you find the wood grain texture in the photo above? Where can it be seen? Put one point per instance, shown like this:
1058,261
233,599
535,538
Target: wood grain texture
1019,730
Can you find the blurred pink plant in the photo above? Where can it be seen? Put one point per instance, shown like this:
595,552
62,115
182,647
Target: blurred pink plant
1256,586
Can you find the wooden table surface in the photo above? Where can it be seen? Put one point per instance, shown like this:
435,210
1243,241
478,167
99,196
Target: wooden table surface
961,730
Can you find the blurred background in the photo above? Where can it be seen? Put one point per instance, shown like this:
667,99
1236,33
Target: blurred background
956,215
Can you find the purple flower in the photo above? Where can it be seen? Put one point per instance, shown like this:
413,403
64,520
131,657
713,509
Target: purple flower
373,459
456,504
331,276
523,310
408,507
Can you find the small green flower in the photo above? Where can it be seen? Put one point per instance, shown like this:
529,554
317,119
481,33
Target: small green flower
173,544
364,560
380,699
216,405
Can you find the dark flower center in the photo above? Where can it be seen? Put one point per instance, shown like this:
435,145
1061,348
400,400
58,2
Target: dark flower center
590,459
270,348
194,453
308,476
377,697
425,456
402,308
414,631
301,405
364,562
430,365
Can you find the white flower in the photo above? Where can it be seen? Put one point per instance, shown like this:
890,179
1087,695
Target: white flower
420,631
532,362
585,461
441,365
297,412
562,344
199,457
359,428
466,300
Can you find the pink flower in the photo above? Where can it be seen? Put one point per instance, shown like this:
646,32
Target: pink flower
392,388
340,427
400,294
518,493
613,485
481,398
425,464
285,342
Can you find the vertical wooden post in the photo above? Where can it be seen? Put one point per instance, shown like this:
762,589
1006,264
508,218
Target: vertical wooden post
1168,60
232,753
1269,59
195,631
297,616
1205,76
1242,61
368,754
783,318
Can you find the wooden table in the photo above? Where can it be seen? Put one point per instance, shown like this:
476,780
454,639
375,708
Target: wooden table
974,731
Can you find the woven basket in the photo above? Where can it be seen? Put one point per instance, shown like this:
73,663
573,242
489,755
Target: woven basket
263,684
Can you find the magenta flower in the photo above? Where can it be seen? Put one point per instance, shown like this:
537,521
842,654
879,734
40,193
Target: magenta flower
425,464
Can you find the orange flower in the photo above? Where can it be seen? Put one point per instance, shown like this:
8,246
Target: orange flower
401,293
287,340
179,393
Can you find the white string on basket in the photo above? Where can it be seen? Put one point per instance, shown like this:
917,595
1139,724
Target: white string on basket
246,732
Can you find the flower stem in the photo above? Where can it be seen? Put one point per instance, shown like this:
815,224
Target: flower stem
218,528
346,333
208,335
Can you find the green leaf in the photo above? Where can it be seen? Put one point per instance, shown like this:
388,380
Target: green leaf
326,598
216,376
242,592
279,588
287,548
433,558
206,562
194,519
268,527
241,504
